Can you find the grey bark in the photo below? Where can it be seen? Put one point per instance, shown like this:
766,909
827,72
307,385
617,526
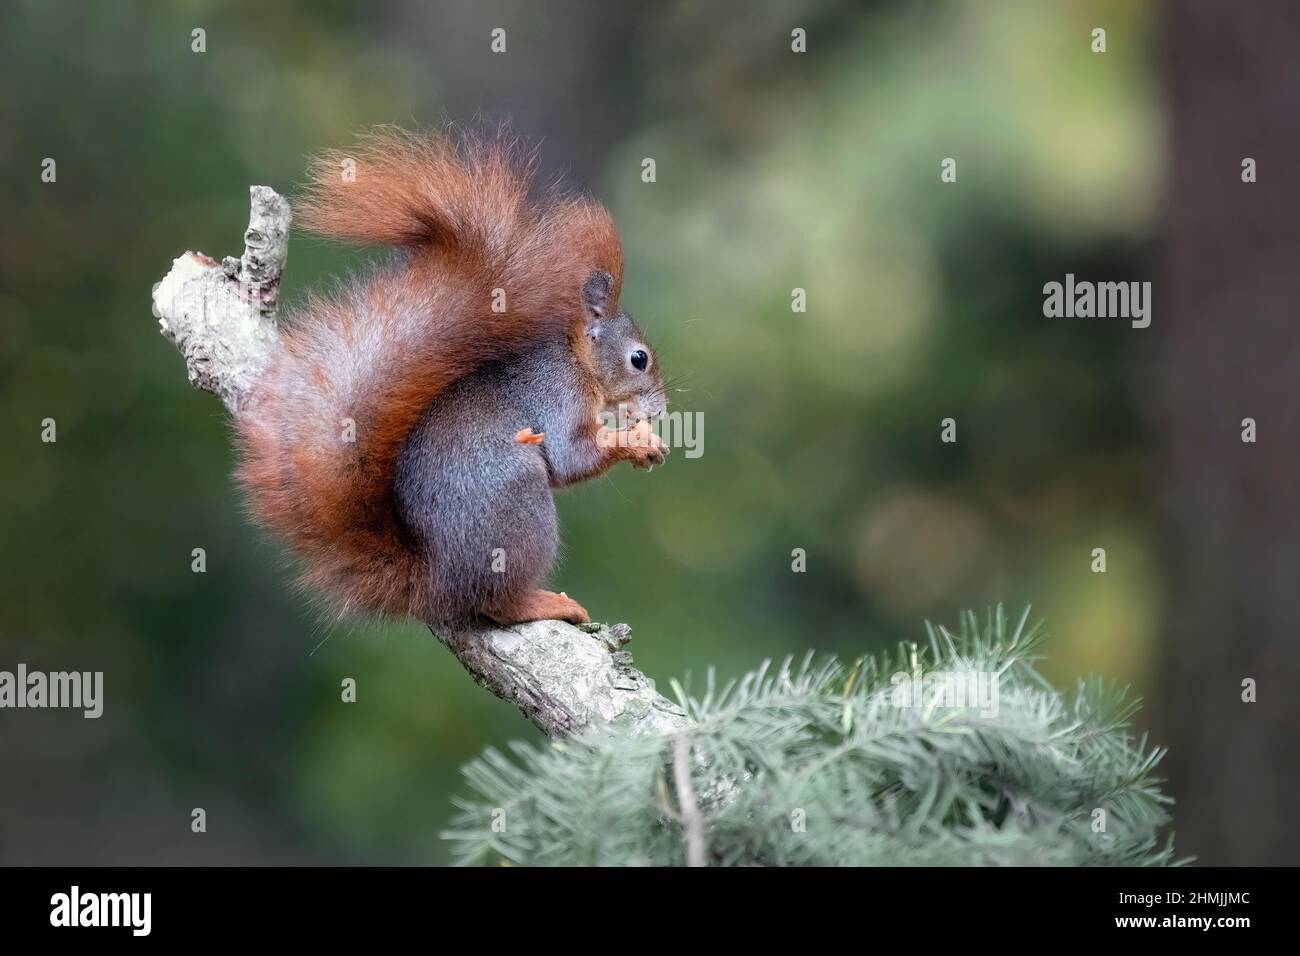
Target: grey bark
222,317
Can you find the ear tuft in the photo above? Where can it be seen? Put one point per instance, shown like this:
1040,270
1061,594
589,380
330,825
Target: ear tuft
595,293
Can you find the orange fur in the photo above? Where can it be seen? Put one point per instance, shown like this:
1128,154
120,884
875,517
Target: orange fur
383,348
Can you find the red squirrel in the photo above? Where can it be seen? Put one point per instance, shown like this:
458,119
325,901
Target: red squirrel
408,434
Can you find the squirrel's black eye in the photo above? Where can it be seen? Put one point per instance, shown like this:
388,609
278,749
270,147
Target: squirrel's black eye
639,360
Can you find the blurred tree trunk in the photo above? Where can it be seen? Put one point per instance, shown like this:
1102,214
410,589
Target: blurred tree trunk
1227,349
569,80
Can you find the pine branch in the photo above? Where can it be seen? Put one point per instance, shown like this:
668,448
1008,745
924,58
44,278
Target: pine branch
222,317
833,764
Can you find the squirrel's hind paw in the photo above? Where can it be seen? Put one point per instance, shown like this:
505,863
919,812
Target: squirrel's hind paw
542,606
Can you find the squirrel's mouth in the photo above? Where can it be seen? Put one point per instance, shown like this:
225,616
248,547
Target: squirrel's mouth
629,411
654,406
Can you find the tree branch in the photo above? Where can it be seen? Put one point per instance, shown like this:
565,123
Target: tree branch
564,678
691,817
222,317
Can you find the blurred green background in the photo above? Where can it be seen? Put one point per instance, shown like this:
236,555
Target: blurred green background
775,171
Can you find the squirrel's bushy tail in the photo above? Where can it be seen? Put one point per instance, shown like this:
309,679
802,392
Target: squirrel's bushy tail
488,271
404,189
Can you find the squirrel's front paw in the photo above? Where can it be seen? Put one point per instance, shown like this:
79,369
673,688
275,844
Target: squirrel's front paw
645,447
638,444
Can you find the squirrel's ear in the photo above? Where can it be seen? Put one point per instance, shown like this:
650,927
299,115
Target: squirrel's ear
595,300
